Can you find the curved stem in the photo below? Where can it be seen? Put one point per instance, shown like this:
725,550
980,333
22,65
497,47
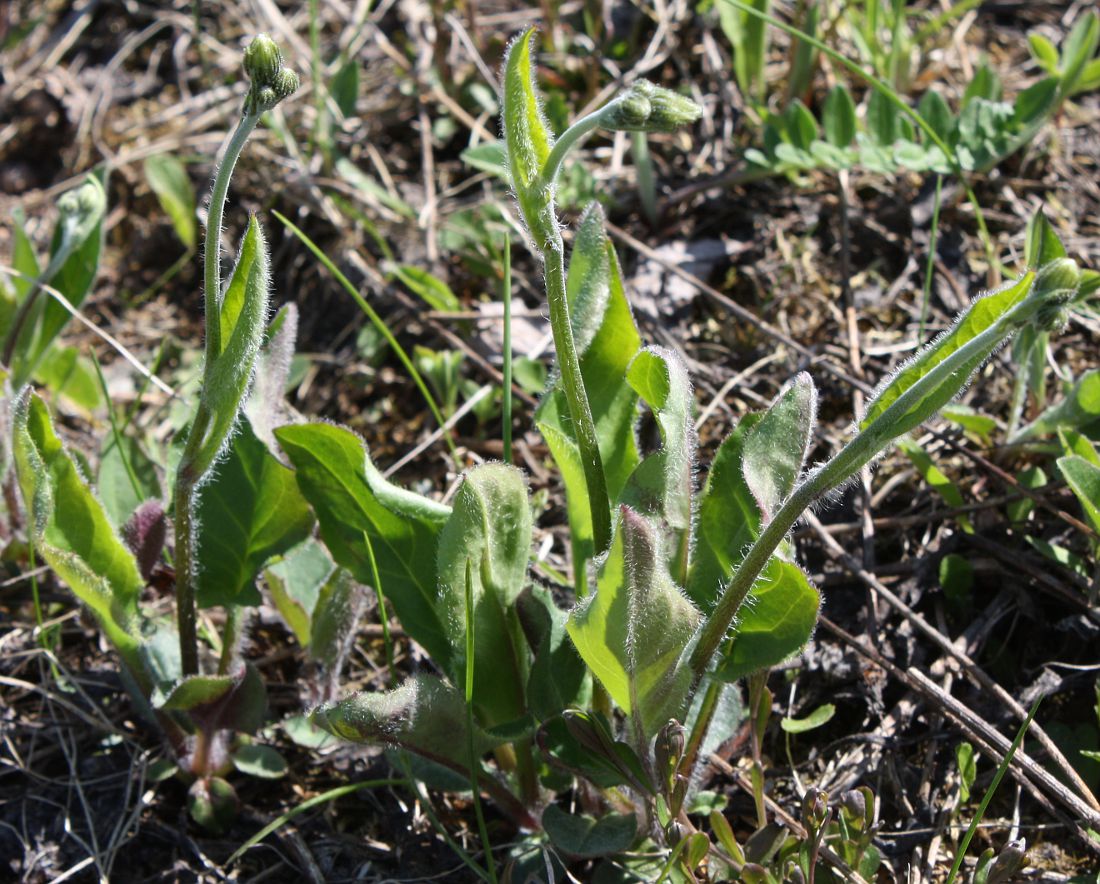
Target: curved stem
212,279
569,139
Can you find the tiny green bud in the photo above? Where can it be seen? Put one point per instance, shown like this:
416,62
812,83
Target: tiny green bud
649,108
262,60
286,84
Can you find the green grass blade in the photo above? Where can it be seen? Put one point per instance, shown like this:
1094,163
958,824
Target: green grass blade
379,323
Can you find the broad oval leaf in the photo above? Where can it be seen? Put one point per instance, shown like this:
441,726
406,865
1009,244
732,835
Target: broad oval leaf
249,511
585,837
263,762
634,631
295,583
776,621
1078,409
352,501
71,531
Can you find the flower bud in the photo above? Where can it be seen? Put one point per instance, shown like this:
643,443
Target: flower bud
271,82
1060,275
649,108
262,60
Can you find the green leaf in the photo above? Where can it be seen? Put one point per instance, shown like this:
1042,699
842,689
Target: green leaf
363,182
1043,242
351,499
933,108
489,528
489,157
260,761
250,510
800,125
1079,408
1076,443
243,318
431,289
335,619
558,678
168,179
776,447
585,837
295,582
67,373
79,243
212,803
968,768
777,620
662,484
728,520
1035,104
70,530
820,716
22,258
936,479
986,324
525,131
839,116
985,85
1044,53
882,119
196,690
1032,478
634,631
957,579
266,407
1083,478
425,715
344,87
1078,50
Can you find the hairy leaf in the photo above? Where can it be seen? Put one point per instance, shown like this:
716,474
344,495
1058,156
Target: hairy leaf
525,131
295,583
985,324
776,448
489,528
661,485
633,632
1080,408
780,617
71,531
425,715
1084,478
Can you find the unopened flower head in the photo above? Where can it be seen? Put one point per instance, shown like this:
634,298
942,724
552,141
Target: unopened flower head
646,107
270,81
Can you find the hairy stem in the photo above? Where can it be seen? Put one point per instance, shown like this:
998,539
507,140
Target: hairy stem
212,279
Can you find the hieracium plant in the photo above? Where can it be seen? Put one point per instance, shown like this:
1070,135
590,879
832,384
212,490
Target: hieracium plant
201,708
626,686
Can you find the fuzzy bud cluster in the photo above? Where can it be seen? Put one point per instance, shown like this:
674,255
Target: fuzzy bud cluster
645,107
271,82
